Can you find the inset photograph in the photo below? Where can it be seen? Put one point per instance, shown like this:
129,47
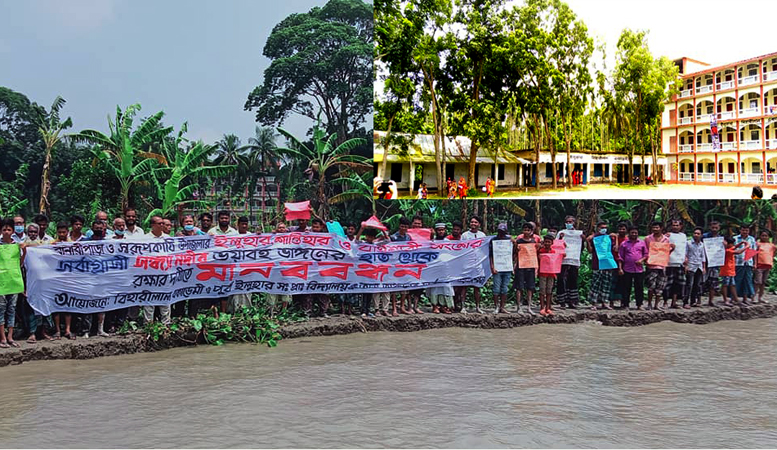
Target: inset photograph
584,99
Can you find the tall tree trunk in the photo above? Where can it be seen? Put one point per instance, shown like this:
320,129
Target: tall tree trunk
537,144
568,139
45,185
384,163
537,213
473,153
552,154
485,215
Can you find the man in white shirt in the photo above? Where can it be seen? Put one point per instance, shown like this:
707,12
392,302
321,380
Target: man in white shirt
157,232
130,219
223,228
473,233
43,223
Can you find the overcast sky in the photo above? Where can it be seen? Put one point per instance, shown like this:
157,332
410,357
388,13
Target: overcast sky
195,59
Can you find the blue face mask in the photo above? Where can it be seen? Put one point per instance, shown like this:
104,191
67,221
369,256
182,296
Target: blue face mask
18,229
603,231
118,232
570,226
188,227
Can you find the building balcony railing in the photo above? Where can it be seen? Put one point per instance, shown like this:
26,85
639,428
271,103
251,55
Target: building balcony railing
753,178
770,76
686,93
750,145
771,178
725,115
771,143
686,148
703,118
728,145
727,178
704,147
749,112
725,85
704,89
706,177
686,176
685,120
752,79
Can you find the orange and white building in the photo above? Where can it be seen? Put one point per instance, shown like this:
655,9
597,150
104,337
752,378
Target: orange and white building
742,98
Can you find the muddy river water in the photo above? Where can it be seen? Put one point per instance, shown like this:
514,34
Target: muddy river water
584,385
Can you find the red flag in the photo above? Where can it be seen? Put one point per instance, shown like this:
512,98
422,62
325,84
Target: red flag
373,222
749,253
295,211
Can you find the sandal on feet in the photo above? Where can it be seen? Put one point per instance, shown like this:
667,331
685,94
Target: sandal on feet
56,337
13,344
4,345
32,340
70,336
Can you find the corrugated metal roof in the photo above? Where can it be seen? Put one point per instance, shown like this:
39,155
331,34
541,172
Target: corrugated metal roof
421,150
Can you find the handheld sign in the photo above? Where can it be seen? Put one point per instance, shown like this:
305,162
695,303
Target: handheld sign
716,252
10,270
420,234
550,262
335,227
503,255
603,248
295,211
527,256
374,222
750,253
677,256
659,253
574,241
765,254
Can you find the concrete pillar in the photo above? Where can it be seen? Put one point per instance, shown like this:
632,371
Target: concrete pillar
520,175
612,166
588,173
412,177
496,174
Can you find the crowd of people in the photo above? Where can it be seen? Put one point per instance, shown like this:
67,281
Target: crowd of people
741,280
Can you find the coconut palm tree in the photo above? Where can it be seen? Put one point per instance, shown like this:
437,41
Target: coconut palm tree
322,159
127,151
50,128
259,163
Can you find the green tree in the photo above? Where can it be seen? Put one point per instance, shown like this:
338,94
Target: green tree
127,151
180,168
326,160
260,163
321,59
50,127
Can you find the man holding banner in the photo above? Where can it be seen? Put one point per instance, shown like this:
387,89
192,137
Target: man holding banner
695,267
714,248
526,269
744,265
675,270
602,248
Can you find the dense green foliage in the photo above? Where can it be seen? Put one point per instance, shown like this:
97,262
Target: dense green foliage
513,78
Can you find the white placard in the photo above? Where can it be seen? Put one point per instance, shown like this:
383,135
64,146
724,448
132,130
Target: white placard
680,241
503,255
574,241
716,252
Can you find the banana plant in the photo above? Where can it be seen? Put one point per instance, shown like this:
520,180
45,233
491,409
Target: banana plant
127,152
176,178
51,129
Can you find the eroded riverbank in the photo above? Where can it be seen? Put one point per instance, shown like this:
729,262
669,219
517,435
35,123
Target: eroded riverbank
338,325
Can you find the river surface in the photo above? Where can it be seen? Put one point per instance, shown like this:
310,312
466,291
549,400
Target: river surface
585,385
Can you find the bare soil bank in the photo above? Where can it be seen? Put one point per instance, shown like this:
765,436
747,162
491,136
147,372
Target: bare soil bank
135,343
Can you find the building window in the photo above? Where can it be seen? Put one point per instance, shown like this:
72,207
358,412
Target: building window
682,167
501,172
548,170
754,135
598,170
396,172
756,167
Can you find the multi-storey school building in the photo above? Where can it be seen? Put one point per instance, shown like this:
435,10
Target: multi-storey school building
722,126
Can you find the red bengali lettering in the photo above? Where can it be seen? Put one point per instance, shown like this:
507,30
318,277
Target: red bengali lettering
373,271
262,269
409,270
338,269
298,269
222,272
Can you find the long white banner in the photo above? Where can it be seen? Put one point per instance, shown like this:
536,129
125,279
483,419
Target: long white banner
87,277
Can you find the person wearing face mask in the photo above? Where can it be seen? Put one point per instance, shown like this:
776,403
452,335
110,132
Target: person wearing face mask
119,228
18,235
102,216
601,279
568,278
188,227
